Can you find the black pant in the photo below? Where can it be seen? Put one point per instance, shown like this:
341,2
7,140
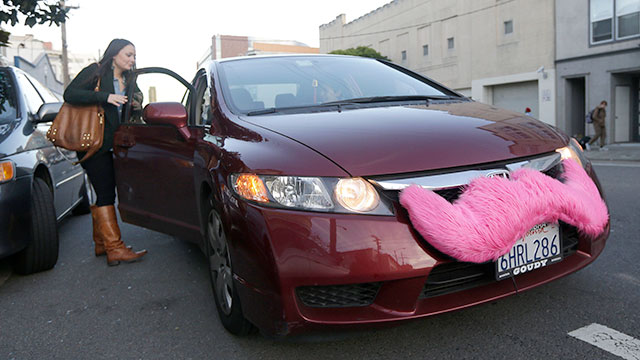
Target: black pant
102,176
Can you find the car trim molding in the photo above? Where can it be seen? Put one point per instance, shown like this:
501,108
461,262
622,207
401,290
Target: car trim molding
461,178
69,179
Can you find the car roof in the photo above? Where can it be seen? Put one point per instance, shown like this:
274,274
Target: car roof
271,56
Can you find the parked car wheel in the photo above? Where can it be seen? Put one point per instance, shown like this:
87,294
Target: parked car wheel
42,252
84,207
221,276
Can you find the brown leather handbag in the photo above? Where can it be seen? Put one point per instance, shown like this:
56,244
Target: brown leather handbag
78,128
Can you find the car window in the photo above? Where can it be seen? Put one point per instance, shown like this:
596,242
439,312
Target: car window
8,101
203,102
254,84
47,95
31,95
155,87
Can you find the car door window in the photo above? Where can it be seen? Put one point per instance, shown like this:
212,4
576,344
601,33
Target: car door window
8,103
31,95
151,88
202,101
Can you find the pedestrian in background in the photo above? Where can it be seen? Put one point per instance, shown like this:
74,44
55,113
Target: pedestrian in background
114,71
599,116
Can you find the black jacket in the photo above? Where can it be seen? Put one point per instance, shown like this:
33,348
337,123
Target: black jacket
81,92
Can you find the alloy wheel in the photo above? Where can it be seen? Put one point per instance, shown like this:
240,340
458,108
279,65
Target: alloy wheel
220,263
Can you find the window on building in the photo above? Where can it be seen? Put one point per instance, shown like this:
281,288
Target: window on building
450,43
628,18
425,50
404,55
614,19
508,27
601,20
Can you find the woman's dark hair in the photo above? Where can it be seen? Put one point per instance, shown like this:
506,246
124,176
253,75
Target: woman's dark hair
105,64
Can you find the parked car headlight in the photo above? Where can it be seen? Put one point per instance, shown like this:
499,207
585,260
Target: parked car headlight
299,192
357,194
325,194
574,151
7,171
250,187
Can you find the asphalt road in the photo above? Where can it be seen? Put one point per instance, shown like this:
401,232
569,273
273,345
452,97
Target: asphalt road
162,307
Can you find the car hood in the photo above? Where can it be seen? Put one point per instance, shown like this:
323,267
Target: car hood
409,138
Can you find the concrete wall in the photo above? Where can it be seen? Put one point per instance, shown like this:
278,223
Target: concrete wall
483,55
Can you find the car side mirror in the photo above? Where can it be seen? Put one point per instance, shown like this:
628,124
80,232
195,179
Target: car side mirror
167,113
46,113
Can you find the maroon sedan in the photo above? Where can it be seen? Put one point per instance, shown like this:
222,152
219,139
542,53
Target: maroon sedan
287,172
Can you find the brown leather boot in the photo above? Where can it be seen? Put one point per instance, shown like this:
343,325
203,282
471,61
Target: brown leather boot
97,240
107,230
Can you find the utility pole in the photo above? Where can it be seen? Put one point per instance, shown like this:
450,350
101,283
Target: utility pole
65,59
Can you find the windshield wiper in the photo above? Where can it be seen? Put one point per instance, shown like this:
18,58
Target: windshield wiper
272,110
376,99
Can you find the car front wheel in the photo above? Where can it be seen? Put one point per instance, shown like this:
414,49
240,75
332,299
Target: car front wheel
221,276
42,252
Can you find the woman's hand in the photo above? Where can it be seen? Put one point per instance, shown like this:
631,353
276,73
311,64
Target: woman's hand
116,100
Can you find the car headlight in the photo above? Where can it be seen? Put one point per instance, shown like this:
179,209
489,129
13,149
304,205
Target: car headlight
7,170
299,192
574,151
341,195
357,194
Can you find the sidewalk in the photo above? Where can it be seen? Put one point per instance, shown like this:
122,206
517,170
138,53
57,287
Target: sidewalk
615,152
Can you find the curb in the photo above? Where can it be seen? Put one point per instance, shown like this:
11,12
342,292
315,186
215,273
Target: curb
5,272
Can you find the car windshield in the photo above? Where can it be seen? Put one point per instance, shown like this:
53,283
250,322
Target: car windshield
251,85
8,105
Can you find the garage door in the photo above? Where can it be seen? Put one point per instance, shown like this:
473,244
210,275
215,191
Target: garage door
517,97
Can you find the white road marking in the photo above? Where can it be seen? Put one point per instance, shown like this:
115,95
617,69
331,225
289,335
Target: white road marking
610,340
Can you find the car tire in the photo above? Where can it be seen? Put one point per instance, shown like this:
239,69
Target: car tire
221,277
84,207
42,252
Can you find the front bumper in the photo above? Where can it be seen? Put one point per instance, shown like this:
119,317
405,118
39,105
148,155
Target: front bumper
15,218
277,253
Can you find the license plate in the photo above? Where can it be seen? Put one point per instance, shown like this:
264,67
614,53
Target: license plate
539,247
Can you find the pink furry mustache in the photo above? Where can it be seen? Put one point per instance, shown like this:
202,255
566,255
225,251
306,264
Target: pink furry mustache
491,214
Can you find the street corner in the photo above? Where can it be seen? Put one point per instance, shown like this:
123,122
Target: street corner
615,152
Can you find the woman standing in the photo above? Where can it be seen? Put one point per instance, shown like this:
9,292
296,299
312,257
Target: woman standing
113,72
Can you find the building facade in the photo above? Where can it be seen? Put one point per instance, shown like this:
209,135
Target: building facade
498,52
40,60
225,46
598,58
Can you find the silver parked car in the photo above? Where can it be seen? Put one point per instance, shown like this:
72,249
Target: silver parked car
39,184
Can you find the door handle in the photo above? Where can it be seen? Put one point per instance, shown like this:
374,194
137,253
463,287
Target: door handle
125,141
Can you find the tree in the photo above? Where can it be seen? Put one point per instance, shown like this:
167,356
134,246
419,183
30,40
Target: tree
364,51
36,12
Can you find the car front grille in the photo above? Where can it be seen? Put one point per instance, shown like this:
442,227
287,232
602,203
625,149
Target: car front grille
451,193
456,276
334,296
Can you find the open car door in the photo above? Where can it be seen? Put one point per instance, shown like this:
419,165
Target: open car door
154,152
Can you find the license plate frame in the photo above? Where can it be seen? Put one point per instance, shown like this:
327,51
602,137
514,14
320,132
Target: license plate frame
528,253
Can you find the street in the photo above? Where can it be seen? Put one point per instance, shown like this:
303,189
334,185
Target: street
162,307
